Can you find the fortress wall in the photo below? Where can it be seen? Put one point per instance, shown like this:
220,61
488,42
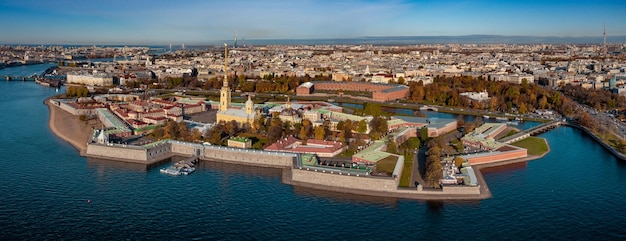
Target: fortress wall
70,109
249,157
461,190
344,181
185,149
159,152
117,153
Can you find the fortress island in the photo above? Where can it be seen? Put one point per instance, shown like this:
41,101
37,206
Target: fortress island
318,144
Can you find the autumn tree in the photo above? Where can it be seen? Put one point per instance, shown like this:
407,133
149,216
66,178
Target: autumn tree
320,133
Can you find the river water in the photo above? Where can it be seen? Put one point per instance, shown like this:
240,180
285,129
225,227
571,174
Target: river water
47,191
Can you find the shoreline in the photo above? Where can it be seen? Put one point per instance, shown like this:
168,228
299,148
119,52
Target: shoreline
68,128
71,130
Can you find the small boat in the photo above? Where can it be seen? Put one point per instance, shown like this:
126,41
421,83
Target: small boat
486,116
187,170
513,123
502,118
171,170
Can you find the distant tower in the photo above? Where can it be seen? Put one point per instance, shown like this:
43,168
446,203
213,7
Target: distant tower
170,47
249,105
604,49
235,45
148,62
183,46
225,92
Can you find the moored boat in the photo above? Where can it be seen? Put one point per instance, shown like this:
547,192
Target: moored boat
171,170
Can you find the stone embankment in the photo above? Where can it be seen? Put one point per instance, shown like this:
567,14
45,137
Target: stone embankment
606,146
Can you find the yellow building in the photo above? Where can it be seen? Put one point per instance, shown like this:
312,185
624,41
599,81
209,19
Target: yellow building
226,113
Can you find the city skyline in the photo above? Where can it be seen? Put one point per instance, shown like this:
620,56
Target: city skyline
207,22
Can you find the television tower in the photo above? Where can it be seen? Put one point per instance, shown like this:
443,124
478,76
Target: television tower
235,45
604,45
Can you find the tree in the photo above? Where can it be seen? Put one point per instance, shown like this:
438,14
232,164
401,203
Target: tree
362,128
543,102
215,136
434,173
170,130
424,134
305,130
391,146
401,80
195,135
339,125
320,133
458,161
182,133
371,108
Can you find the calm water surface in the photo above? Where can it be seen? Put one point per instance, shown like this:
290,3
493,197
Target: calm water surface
576,192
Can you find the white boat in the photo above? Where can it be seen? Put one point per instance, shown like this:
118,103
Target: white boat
513,123
502,118
171,170
486,116
187,170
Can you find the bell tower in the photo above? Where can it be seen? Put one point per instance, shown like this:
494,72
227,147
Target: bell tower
225,92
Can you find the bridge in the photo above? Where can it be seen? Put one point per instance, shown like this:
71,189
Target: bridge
532,131
429,108
19,78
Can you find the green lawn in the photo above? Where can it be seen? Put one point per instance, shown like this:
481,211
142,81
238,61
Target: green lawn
407,172
535,145
387,164
510,133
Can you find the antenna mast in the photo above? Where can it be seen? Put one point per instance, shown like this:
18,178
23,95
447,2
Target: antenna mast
605,50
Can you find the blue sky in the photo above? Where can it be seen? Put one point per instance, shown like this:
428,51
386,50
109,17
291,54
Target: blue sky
207,21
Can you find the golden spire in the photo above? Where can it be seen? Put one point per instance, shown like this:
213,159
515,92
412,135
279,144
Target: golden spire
225,64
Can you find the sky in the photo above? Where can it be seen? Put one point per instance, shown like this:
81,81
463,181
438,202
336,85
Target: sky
197,22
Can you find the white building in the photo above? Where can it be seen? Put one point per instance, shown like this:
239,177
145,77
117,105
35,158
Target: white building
478,96
96,78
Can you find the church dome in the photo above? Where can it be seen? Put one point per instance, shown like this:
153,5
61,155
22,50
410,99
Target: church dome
289,112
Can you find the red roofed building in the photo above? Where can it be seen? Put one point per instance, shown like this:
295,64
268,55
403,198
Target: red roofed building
312,146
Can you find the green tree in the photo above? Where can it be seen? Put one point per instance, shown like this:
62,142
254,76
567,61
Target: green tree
362,128
372,108
424,134
392,147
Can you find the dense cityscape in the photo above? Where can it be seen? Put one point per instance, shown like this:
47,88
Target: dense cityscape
150,94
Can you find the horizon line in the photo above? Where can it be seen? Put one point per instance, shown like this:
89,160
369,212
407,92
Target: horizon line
374,37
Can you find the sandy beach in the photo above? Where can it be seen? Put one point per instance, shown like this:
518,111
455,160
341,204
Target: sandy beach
69,128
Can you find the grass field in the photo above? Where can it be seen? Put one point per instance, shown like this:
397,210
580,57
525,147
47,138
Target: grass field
535,145
387,164
405,179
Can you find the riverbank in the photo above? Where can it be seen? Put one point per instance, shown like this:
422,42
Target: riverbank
69,128
608,147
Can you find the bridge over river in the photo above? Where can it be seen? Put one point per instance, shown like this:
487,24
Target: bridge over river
532,131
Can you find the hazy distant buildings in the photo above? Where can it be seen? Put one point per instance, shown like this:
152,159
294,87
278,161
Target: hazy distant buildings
95,78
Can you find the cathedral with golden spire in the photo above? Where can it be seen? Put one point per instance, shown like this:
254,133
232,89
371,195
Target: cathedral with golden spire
226,112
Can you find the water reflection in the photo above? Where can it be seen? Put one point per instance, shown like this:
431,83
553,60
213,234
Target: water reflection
105,164
513,167
346,197
230,168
